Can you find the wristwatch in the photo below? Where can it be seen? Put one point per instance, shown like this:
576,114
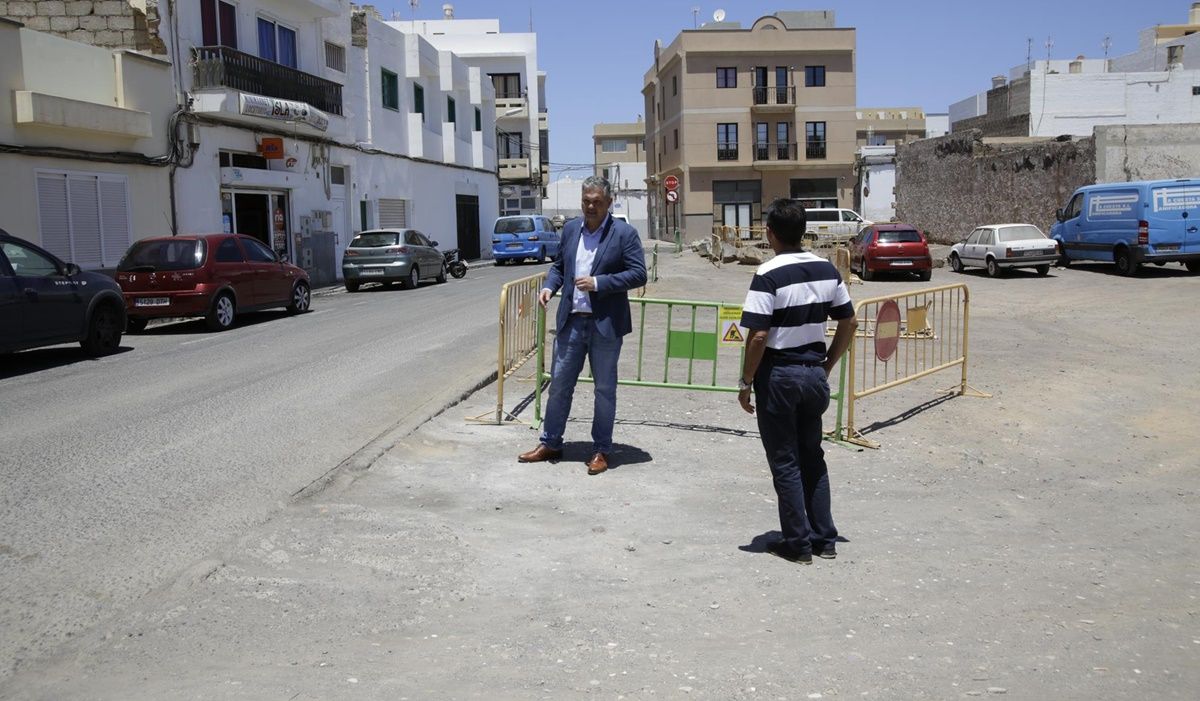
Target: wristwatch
743,385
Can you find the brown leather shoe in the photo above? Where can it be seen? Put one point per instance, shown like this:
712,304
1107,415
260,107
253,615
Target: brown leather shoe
540,454
598,464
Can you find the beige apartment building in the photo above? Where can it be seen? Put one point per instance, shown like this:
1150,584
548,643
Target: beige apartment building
743,116
620,156
890,126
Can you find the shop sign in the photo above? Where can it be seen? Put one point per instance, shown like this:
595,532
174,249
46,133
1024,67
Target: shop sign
284,110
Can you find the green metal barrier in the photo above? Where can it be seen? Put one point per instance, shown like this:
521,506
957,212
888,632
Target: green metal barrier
692,357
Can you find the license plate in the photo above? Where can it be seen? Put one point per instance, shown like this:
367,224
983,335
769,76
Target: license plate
152,302
370,271
1031,253
902,262
515,245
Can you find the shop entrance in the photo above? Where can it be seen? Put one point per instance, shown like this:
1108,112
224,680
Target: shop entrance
262,215
467,210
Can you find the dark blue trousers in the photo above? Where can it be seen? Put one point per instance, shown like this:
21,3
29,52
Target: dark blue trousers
790,402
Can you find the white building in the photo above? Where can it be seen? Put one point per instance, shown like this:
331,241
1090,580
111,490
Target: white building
510,60
1157,84
66,104
876,196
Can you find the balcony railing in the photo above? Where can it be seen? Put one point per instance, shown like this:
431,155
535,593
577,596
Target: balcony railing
775,152
727,152
780,95
814,149
223,67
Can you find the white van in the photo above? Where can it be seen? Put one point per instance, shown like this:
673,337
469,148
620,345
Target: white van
834,221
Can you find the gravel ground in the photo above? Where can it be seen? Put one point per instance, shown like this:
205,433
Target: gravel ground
1040,544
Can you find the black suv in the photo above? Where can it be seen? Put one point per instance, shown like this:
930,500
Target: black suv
44,301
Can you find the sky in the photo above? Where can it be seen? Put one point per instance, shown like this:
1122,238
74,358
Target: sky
911,53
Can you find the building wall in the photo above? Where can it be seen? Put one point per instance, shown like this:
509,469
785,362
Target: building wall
1077,103
104,23
949,185
1147,152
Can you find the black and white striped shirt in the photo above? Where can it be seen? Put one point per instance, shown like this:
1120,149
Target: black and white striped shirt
790,297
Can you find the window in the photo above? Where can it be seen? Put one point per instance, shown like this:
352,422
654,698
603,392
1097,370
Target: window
335,57
760,85
228,252
760,141
256,251
814,76
337,175
727,142
509,145
478,120
781,86
390,84
849,216
674,85
676,139
451,112
277,43
974,237
507,85
1075,207
783,140
27,262
231,159
218,21
726,77
614,145
419,101
544,145
877,140
814,139
84,218
1196,89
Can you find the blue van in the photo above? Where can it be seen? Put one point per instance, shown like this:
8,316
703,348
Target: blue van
1151,221
524,236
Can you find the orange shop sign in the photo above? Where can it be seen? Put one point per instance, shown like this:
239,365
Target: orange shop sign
271,147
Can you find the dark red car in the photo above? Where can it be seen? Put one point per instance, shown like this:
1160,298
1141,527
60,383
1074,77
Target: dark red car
890,248
216,276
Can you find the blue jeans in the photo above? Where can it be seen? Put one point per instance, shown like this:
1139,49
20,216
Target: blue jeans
791,399
577,339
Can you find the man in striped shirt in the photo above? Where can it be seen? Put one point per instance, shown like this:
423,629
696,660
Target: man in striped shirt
787,365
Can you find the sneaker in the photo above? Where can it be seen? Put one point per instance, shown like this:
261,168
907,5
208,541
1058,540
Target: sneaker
827,554
778,549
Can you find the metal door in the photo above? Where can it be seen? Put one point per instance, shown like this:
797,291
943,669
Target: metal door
467,209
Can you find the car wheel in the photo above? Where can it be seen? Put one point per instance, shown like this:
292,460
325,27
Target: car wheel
993,268
541,255
222,313
1125,264
1193,266
414,279
865,273
441,276
925,275
1063,260
103,331
956,263
301,298
351,286
135,325
1043,270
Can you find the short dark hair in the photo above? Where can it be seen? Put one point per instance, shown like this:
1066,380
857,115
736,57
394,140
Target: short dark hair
786,218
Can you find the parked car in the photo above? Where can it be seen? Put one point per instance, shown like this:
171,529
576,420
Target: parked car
1148,221
516,238
890,248
998,247
216,276
834,221
392,255
44,301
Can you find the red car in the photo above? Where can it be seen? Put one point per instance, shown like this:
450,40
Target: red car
216,276
890,248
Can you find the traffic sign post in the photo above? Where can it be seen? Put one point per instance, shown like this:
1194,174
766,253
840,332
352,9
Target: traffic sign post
672,196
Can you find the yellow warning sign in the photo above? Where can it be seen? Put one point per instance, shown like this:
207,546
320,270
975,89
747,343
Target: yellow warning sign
729,313
733,334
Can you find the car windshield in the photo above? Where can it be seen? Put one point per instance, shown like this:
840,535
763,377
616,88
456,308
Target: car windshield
1018,233
375,239
518,225
168,254
899,236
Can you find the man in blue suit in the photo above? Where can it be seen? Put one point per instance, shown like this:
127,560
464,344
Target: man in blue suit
602,259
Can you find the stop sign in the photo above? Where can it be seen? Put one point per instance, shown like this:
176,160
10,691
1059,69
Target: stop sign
671,183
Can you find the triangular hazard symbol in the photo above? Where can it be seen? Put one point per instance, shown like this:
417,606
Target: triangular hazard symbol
733,335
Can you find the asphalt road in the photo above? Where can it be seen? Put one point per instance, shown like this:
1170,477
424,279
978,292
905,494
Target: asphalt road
117,474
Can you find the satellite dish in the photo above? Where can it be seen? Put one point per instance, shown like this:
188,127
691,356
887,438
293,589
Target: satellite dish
719,16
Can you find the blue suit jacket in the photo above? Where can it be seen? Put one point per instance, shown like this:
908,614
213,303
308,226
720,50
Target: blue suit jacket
619,267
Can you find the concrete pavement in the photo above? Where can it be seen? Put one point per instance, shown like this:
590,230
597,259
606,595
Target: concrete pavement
983,558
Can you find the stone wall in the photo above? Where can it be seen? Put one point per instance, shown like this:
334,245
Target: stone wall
951,184
129,24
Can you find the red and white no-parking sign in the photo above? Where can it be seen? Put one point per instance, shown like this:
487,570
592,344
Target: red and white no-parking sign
887,330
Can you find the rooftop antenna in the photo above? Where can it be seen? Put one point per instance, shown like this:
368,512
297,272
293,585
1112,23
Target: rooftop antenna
695,14
1105,45
1049,45
719,16
413,4
1028,54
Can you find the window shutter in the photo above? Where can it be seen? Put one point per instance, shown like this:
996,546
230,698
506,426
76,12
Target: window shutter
85,220
114,220
53,221
393,214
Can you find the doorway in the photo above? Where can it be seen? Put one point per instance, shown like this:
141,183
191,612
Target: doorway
467,209
261,215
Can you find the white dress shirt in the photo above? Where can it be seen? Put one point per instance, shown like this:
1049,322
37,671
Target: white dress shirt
585,257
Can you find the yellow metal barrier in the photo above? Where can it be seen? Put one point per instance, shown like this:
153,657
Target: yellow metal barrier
905,337
518,337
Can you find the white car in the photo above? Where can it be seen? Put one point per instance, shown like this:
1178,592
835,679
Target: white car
997,247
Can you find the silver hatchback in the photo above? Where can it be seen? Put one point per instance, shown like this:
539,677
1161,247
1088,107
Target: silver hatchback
392,255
